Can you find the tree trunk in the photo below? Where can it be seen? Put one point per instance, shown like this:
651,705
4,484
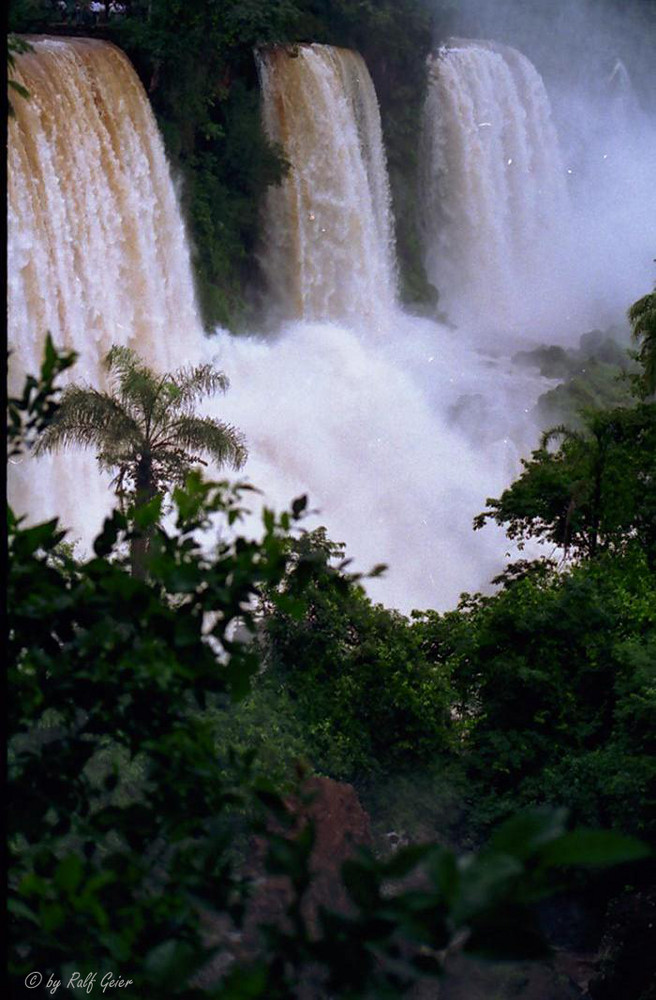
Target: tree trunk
138,556
141,539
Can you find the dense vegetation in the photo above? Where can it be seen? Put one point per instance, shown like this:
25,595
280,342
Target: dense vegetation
198,62
147,736
196,59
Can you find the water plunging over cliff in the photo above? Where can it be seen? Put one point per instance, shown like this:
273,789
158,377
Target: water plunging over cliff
495,199
328,236
396,438
97,249
97,252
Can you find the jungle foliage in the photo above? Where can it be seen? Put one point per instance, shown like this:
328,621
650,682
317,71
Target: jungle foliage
642,316
544,690
370,699
554,679
599,374
121,822
594,494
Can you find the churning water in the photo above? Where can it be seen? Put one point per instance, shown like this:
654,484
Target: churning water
397,427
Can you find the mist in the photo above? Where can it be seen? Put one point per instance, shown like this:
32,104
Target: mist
397,427
597,62
400,430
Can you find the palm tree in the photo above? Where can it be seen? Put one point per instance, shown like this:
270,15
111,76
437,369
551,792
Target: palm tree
642,316
587,458
145,430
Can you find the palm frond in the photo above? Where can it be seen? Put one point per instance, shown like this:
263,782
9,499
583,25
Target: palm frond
144,429
89,418
642,316
19,88
134,383
560,431
196,383
121,360
15,44
220,441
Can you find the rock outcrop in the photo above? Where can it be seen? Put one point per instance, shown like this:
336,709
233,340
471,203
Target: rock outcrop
340,825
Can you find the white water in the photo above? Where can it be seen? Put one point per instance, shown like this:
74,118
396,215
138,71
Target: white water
397,428
328,231
96,243
97,252
610,150
398,446
496,222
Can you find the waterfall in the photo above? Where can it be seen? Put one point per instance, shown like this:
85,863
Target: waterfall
397,438
97,252
96,246
327,250
396,429
495,203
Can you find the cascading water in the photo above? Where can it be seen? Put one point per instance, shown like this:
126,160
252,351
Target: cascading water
97,252
328,235
495,199
397,439
96,244
396,429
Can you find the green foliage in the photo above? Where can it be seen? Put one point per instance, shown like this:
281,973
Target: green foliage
421,802
28,16
112,675
120,820
265,722
145,429
597,375
29,415
15,46
222,198
396,935
554,675
355,671
110,679
642,316
196,59
555,683
596,493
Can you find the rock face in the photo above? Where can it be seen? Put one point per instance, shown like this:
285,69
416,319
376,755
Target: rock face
341,825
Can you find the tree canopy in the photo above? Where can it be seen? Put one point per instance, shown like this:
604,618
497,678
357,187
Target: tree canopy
642,316
145,429
595,493
121,831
